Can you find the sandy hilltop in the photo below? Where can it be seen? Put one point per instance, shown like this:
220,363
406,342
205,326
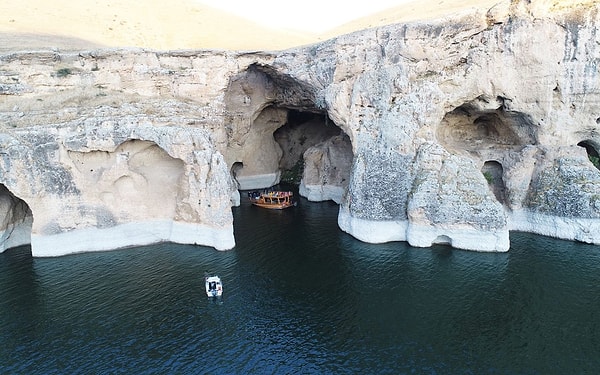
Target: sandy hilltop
176,24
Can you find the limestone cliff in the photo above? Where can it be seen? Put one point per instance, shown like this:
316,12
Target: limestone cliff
453,131
105,151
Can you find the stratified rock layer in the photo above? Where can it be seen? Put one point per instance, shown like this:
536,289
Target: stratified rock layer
451,131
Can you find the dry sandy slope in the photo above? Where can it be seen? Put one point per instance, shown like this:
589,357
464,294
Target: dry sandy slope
416,10
154,24
184,24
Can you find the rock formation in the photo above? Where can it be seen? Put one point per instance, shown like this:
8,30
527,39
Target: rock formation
101,154
455,131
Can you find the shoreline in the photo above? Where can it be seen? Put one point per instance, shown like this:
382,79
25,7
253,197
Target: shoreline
131,235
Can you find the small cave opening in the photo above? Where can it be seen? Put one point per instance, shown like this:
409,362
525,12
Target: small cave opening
16,220
235,169
485,124
591,148
442,240
493,171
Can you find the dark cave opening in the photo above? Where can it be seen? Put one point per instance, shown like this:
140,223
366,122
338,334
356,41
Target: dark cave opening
493,171
592,152
235,168
442,240
301,131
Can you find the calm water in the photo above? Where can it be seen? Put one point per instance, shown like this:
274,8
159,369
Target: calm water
302,297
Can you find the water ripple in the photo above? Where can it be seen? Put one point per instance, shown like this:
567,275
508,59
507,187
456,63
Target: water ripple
303,297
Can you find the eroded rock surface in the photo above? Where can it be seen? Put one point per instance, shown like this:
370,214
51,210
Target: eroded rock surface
452,131
327,170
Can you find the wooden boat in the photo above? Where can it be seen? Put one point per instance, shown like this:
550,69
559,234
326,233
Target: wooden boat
276,200
213,285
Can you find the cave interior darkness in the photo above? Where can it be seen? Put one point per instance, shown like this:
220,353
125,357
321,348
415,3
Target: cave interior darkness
301,131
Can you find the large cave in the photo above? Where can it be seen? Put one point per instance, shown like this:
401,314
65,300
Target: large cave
279,134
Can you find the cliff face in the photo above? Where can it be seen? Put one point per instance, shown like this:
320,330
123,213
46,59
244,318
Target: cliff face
453,131
114,149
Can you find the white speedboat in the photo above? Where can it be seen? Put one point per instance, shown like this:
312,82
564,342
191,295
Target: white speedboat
214,287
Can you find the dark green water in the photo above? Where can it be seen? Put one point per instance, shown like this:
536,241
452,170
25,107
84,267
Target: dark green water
303,297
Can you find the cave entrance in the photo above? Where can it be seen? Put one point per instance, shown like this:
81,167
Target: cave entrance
316,155
592,151
484,125
488,130
442,240
280,132
235,168
301,131
493,171
16,220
